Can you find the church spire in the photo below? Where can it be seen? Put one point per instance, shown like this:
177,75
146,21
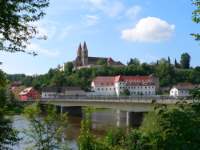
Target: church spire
79,50
84,54
85,46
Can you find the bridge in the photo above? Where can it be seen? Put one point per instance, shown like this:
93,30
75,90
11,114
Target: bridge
126,103
132,106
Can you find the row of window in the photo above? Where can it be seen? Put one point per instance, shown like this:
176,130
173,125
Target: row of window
139,93
106,89
139,87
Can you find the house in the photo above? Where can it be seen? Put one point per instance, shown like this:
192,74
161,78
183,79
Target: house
56,92
84,61
116,85
28,94
74,91
51,92
182,89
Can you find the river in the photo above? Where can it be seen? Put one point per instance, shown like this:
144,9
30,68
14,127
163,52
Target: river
102,120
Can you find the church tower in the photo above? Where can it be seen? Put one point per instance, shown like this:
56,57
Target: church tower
84,55
79,56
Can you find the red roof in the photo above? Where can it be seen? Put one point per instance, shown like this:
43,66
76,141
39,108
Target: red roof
131,80
104,80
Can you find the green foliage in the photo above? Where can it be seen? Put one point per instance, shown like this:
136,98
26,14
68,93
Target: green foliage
15,23
165,72
8,135
168,74
45,131
101,62
185,61
115,138
175,128
136,140
196,17
134,61
195,93
68,67
86,140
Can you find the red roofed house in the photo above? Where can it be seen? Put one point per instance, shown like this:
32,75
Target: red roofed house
28,94
115,85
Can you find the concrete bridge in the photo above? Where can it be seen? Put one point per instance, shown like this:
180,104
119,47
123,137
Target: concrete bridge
132,107
136,103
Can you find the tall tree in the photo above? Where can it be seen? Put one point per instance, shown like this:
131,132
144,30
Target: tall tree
185,61
16,23
8,136
196,17
176,64
169,60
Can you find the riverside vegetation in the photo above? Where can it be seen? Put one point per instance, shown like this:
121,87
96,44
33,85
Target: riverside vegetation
164,128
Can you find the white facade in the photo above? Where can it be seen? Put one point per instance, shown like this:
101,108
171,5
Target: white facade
103,90
46,94
116,88
175,92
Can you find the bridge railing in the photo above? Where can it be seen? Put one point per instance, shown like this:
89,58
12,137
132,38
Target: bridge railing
154,98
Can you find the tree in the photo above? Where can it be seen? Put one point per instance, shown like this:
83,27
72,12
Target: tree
196,17
185,61
175,128
68,67
101,62
165,72
86,140
16,18
134,61
45,132
176,64
169,60
8,135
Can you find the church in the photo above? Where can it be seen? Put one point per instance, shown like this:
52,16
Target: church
84,61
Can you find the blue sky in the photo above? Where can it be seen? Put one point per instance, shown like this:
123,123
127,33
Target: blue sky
121,29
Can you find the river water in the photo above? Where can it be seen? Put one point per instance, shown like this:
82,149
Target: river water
102,120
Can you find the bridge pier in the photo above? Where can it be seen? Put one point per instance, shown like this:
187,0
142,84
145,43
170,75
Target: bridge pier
127,119
118,115
61,109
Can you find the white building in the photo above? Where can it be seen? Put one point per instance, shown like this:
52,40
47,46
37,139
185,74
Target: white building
56,92
182,90
116,85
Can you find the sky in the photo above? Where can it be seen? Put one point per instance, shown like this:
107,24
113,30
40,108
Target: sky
121,29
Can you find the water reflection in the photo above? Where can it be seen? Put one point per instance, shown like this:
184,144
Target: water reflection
102,120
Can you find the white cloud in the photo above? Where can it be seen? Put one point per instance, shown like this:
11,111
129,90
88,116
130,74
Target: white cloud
97,3
42,51
133,11
91,20
111,8
150,29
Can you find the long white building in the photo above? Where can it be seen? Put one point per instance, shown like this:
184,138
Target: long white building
116,85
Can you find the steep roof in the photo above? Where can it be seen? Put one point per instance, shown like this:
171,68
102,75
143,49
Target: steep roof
26,91
133,78
109,61
130,80
185,86
104,80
